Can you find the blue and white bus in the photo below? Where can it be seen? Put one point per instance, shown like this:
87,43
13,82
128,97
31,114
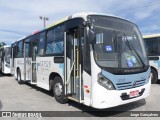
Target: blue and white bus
95,59
153,49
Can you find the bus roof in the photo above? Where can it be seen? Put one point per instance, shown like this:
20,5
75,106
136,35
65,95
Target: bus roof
151,36
81,15
76,15
19,39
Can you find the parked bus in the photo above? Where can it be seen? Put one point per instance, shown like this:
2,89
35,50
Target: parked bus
95,59
153,50
5,55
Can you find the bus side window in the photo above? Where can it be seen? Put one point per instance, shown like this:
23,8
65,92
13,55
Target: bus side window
41,44
27,50
15,50
55,40
20,49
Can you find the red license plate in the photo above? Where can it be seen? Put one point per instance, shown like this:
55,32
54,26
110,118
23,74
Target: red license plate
134,93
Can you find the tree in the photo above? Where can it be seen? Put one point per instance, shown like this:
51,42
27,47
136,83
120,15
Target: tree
2,44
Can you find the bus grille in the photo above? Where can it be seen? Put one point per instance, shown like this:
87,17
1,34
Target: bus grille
129,85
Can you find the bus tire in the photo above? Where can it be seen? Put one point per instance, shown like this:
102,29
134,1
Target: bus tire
58,90
154,76
19,77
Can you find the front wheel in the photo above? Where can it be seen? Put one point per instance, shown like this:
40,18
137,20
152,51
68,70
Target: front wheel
58,90
154,76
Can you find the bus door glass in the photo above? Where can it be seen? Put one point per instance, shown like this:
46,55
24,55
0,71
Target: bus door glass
14,51
73,74
33,56
27,61
0,59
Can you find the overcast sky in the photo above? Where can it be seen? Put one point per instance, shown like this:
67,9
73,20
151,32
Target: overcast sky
21,17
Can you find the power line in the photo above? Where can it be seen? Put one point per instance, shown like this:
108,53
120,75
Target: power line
11,37
11,31
137,7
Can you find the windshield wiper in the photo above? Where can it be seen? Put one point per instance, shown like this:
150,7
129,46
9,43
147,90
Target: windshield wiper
130,46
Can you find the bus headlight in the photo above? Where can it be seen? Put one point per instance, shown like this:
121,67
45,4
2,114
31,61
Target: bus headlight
105,82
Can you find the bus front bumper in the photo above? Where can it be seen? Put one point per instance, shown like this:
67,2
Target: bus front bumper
103,98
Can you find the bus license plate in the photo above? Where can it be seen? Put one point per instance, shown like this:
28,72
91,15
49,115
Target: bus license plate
134,93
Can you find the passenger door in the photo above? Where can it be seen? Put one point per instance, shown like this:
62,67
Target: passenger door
34,45
27,61
73,64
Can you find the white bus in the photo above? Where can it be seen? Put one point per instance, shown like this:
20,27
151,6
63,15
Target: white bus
5,55
95,59
153,50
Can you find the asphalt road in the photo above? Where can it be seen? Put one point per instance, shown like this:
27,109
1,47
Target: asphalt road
26,97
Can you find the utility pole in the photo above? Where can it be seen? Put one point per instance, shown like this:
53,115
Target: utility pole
44,20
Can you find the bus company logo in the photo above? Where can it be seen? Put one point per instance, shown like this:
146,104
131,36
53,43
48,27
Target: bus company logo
134,83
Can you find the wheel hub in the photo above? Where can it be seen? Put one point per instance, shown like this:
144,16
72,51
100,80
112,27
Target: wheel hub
58,89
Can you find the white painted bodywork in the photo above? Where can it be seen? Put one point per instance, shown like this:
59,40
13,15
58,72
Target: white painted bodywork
43,70
98,96
6,70
103,98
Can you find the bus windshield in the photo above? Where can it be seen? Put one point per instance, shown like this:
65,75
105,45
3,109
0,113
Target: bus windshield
118,43
7,54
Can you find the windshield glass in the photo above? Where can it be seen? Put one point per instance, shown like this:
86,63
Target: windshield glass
118,43
7,54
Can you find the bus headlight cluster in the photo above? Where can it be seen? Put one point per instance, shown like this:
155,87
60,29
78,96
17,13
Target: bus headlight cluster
105,82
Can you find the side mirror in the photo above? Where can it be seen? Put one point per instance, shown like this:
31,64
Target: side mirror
90,27
91,36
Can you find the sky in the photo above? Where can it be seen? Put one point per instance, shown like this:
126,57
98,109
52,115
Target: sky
19,18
